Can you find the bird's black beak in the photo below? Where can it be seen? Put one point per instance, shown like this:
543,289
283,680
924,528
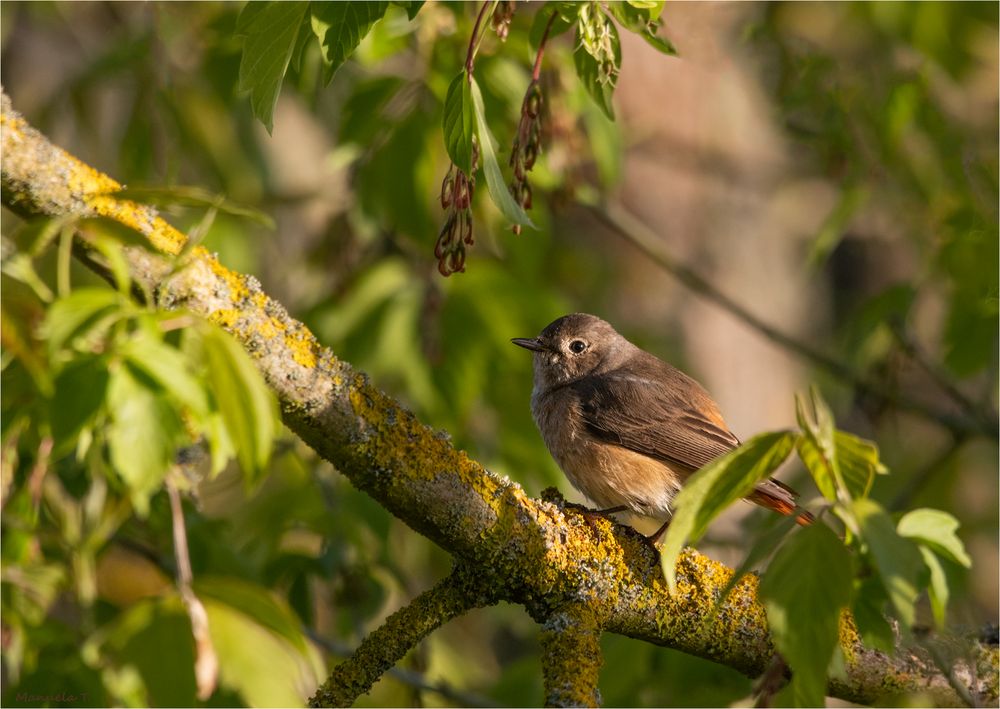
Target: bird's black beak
529,343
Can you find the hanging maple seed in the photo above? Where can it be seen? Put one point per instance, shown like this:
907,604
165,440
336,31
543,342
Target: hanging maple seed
527,145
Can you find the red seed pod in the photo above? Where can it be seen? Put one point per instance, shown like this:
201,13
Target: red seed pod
461,192
526,196
533,101
530,153
467,228
447,186
443,268
516,229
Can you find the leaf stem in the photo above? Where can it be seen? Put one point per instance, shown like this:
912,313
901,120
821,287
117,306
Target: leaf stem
536,72
470,57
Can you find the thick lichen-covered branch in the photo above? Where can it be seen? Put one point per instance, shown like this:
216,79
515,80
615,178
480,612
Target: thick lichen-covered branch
453,596
538,553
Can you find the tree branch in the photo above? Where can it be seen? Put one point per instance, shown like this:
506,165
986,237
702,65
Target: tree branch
571,658
529,551
453,596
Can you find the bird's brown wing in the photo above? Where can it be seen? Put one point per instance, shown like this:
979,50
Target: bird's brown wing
666,415
662,414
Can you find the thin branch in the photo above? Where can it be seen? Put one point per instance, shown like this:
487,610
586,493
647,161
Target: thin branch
470,57
915,353
537,70
639,235
206,665
917,482
383,648
409,677
571,658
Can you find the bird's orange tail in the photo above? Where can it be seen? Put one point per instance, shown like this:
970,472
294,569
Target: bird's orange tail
779,497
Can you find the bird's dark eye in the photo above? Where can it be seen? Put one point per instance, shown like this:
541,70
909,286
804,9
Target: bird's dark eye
577,346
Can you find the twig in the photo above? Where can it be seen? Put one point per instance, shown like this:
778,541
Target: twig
914,352
470,57
451,597
905,496
206,665
536,72
409,677
640,236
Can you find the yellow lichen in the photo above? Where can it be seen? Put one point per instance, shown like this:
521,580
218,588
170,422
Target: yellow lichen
238,291
301,348
226,318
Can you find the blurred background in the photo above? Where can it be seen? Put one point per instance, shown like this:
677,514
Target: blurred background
830,167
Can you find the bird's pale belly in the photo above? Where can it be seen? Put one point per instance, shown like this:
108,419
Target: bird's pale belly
607,474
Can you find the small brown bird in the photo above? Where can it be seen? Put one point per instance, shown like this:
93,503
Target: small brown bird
627,428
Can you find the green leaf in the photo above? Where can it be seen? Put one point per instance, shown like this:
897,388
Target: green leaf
566,14
598,56
816,444
86,312
340,27
78,396
896,558
168,367
412,7
937,591
270,31
263,606
152,637
264,667
643,19
935,530
804,590
247,405
715,487
142,434
458,123
494,178
197,197
858,461
869,615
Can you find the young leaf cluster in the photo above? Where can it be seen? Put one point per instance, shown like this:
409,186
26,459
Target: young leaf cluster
880,566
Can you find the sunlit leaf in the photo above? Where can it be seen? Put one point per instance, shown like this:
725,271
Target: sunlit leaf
896,558
270,30
494,178
816,445
86,312
713,488
142,434
168,367
459,125
804,590
937,531
247,405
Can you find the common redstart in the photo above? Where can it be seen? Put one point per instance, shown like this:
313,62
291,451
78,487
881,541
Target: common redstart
626,427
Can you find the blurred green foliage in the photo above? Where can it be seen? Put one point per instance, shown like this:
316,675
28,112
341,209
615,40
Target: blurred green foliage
298,562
